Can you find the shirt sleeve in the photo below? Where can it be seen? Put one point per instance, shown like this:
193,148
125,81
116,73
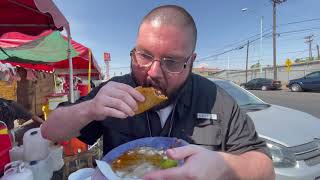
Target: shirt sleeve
240,133
91,132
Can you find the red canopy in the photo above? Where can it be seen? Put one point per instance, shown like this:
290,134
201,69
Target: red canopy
30,17
16,39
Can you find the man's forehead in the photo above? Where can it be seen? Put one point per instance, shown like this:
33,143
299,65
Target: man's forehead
158,23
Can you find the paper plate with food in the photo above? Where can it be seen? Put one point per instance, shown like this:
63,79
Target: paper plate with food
134,159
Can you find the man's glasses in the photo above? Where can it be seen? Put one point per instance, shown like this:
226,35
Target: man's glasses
170,65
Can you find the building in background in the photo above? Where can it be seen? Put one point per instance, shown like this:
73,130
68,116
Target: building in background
205,71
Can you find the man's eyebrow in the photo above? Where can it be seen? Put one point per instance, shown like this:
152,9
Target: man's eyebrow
144,51
169,55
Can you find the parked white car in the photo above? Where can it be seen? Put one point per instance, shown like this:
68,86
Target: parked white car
292,136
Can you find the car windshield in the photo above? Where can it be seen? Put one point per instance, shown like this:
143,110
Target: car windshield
242,97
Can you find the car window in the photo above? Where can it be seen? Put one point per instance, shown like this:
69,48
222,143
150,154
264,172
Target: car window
240,95
253,81
313,75
267,81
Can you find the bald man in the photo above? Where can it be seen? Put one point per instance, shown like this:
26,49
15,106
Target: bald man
197,110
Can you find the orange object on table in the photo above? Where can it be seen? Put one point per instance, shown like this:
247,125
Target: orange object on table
83,88
5,146
73,147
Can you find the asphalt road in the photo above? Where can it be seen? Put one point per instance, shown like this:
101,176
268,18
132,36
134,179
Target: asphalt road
308,102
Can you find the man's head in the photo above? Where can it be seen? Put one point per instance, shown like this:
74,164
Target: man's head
168,36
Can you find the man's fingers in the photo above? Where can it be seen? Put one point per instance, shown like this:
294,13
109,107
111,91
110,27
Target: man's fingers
119,105
183,152
126,97
133,92
171,173
111,112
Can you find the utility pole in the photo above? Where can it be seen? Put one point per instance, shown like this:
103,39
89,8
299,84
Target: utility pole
274,36
261,31
318,52
309,40
247,59
261,36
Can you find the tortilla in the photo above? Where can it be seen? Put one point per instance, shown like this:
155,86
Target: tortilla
152,96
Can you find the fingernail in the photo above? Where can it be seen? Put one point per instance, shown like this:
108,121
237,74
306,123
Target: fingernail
141,98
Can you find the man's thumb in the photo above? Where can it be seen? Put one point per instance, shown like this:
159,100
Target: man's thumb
183,152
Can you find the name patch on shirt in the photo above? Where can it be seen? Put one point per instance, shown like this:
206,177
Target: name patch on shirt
207,116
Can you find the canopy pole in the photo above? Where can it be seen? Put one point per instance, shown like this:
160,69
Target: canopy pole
70,70
89,69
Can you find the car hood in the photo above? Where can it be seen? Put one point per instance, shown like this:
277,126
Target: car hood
295,80
286,126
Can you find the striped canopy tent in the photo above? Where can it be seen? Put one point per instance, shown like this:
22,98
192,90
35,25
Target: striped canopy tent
32,17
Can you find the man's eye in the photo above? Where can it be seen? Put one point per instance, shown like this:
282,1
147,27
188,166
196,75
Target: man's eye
146,56
172,62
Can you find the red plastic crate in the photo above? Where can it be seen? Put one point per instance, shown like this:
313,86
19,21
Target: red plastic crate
5,146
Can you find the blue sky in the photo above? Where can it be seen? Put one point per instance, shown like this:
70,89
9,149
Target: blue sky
111,26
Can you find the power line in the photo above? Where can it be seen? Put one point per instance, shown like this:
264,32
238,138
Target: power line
237,48
297,22
300,30
240,41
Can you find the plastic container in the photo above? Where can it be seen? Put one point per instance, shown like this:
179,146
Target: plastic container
16,153
35,147
5,146
83,88
74,146
41,170
17,171
56,157
55,99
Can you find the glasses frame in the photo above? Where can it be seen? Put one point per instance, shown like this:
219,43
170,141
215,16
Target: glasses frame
185,63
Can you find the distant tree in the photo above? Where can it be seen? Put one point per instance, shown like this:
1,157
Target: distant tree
309,59
255,66
299,60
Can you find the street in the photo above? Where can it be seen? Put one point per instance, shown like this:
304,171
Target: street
308,102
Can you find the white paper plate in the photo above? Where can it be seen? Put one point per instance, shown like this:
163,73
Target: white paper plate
82,174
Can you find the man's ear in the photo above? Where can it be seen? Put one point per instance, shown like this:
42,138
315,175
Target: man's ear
194,57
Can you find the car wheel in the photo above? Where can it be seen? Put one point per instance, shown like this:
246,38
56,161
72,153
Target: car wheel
295,88
264,88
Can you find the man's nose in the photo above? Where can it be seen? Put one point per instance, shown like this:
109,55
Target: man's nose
155,69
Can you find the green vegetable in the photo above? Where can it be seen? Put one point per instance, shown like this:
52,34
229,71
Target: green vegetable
168,163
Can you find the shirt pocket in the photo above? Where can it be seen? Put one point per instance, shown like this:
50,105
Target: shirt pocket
208,133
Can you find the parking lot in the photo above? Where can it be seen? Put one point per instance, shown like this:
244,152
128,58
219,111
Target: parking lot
308,102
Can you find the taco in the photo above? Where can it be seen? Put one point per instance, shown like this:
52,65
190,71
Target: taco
153,97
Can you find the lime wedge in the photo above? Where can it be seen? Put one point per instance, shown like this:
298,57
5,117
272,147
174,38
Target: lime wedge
168,163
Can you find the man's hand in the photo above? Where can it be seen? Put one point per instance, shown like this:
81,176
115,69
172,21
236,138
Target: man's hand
200,164
204,164
115,100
